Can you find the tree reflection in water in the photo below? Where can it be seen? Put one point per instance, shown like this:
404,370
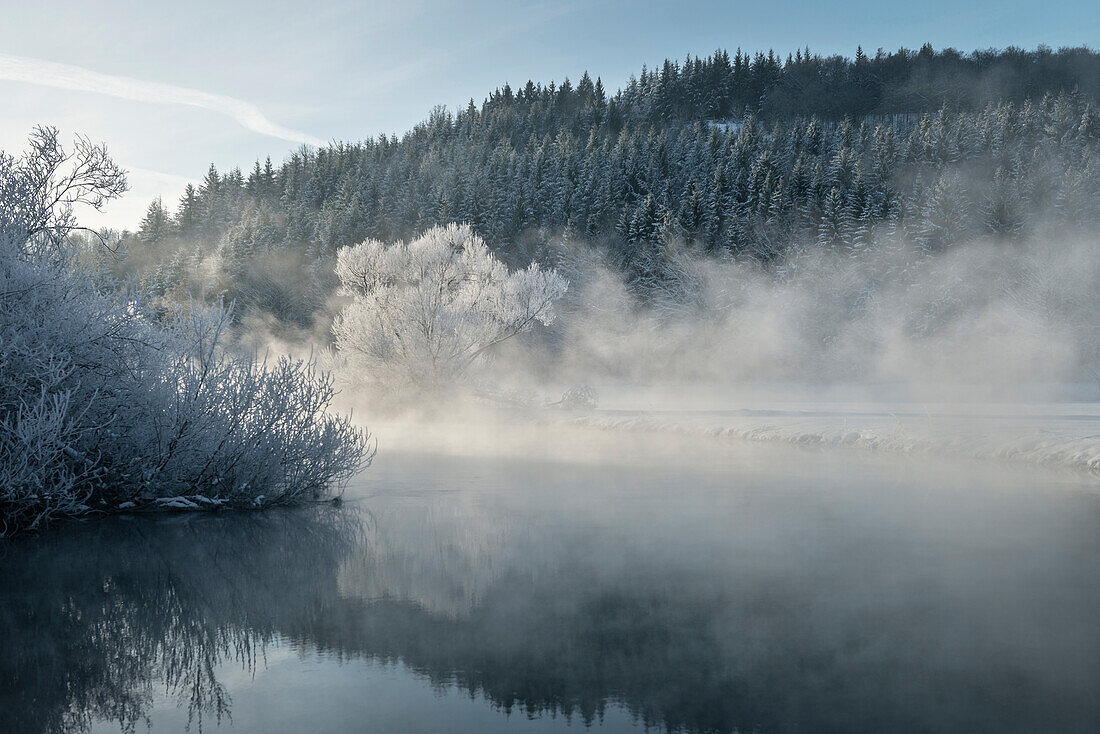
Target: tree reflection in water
721,631
94,616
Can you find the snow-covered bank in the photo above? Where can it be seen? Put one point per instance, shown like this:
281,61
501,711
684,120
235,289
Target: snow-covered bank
1050,432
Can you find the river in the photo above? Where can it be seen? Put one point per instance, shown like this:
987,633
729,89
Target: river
552,583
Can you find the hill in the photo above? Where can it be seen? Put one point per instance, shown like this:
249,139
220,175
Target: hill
743,157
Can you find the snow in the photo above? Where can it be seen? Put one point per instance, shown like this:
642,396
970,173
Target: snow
192,502
1061,432
175,503
733,126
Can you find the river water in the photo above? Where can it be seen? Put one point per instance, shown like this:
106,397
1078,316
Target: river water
553,584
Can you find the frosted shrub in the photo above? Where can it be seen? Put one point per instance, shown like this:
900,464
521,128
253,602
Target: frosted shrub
103,407
422,313
245,431
579,397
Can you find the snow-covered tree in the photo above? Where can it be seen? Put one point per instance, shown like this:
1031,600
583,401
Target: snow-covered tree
424,312
745,164
156,224
103,406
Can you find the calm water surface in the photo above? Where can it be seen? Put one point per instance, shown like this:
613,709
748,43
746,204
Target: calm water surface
699,587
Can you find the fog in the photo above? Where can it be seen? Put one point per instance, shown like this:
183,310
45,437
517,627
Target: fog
693,428
985,313
989,350
658,582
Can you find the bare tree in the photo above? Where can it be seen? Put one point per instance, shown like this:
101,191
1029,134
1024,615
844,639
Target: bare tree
104,407
424,312
39,190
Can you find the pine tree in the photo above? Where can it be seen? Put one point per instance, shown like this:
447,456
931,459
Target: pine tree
155,225
1002,210
526,164
946,213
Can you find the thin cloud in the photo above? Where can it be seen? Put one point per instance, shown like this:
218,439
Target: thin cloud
64,76
160,176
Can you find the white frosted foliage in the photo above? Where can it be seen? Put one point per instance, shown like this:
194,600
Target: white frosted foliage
424,312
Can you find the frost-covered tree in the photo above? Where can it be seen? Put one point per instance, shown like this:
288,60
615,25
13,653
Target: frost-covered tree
105,407
156,224
744,151
424,312
947,212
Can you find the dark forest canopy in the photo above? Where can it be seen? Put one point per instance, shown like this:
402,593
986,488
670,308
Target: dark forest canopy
745,156
830,87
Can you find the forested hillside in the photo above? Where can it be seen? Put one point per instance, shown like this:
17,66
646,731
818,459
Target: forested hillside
745,157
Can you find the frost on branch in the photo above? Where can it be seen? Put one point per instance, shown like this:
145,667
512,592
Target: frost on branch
105,407
423,313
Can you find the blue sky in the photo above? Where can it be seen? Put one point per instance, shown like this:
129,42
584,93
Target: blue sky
232,81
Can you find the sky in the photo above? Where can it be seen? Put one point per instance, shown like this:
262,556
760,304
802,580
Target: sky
173,87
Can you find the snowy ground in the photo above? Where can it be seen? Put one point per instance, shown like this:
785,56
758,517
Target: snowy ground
1052,425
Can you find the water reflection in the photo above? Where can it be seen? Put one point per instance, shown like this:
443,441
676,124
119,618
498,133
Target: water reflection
94,616
775,609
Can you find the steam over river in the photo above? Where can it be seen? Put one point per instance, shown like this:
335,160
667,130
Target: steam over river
551,582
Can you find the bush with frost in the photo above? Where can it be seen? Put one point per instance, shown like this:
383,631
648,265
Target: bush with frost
423,313
579,397
104,406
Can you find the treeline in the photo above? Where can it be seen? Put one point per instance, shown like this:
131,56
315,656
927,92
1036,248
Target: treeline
745,156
